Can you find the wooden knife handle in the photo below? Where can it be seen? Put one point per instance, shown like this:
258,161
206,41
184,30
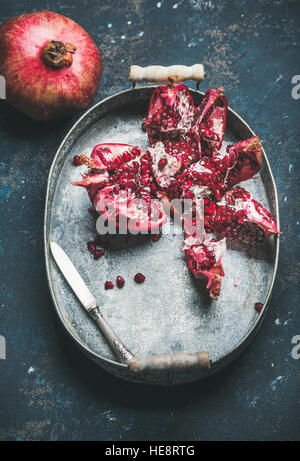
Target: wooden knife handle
178,361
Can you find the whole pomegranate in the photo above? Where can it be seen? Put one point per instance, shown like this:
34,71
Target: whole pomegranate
51,65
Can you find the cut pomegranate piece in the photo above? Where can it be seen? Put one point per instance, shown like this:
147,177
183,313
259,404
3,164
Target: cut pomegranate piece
169,126
204,261
239,216
171,111
218,174
243,161
93,181
211,119
119,185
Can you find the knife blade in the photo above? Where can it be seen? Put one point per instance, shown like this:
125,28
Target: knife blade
73,277
88,301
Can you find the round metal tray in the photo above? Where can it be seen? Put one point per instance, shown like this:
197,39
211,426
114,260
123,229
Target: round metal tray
169,313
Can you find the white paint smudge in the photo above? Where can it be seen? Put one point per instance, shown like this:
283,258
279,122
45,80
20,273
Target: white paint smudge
253,402
280,77
277,322
158,4
109,416
109,25
176,5
291,167
30,370
275,382
140,34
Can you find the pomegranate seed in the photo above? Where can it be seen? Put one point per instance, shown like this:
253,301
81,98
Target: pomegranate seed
139,278
162,163
218,194
258,307
108,285
91,247
104,161
120,281
189,194
208,210
126,156
155,237
76,160
98,254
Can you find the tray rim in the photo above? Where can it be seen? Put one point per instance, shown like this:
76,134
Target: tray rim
239,348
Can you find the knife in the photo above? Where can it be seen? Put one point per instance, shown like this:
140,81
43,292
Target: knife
88,301
140,365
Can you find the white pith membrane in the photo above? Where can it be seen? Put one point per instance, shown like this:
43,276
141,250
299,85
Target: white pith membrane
163,176
199,191
217,247
186,115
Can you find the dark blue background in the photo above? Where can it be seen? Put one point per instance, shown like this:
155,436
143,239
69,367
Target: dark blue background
48,389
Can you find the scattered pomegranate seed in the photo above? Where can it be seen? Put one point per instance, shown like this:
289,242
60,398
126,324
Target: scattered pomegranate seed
120,281
139,278
91,247
155,237
108,285
258,307
98,254
76,160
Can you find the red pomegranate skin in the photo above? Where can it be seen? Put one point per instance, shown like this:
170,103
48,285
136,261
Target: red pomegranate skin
41,92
